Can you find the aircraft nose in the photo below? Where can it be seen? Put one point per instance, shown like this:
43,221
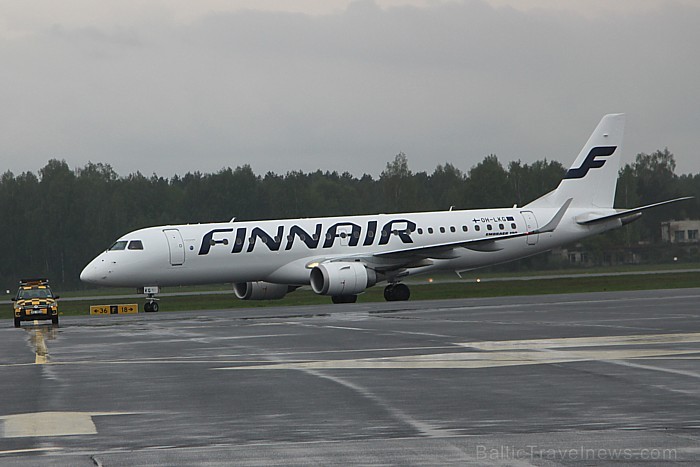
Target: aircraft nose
92,273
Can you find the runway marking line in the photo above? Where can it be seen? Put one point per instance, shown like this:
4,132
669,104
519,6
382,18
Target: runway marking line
47,424
490,354
24,451
641,339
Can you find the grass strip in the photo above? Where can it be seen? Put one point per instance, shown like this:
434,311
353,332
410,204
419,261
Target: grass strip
467,289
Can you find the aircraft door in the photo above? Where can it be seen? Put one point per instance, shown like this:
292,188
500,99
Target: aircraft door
530,224
176,247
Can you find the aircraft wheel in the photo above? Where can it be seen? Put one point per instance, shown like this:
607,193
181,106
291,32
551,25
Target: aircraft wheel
397,293
148,307
154,307
344,298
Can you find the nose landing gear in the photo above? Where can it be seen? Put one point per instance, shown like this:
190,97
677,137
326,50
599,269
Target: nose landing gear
397,293
151,305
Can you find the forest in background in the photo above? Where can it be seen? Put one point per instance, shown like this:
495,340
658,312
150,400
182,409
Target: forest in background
60,218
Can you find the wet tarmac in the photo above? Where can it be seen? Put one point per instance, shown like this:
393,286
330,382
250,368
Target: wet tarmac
548,380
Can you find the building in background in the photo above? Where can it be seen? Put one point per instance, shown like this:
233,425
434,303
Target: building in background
685,231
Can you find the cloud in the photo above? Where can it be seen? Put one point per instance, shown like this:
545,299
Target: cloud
346,89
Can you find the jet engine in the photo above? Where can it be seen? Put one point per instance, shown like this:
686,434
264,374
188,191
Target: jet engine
260,290
341,278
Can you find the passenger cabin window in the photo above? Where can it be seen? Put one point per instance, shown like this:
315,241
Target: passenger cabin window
135,245
452,229
430,230
464,228
120,245
477,228
442,230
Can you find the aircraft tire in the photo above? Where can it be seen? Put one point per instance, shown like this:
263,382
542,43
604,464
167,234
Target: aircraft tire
344,298
155,307
397,293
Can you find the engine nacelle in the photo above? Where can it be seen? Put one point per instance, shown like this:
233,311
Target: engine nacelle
341,278
260,290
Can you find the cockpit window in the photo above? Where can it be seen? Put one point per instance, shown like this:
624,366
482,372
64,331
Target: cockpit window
135,245
120,245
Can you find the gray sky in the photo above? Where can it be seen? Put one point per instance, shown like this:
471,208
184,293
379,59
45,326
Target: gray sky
173,86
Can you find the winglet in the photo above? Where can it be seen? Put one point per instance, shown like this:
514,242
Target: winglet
551,225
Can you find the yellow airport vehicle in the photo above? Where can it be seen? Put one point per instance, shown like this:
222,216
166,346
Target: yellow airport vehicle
34,300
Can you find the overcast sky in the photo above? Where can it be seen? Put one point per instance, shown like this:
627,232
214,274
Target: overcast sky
178,86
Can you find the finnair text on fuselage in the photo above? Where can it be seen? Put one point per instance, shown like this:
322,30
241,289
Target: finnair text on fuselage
350,232
353,232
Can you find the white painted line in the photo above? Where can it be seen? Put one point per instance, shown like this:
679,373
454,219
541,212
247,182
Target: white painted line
673,371
23,451
467,360
515,353
43,424
600,341
47,424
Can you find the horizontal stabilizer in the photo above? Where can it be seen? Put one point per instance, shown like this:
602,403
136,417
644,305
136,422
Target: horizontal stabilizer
587,219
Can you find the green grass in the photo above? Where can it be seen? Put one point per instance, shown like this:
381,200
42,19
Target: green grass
464,289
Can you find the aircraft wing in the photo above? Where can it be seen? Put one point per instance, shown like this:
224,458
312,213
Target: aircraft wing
593,219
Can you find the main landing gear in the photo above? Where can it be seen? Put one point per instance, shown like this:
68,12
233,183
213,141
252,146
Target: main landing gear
397,293
344,298
392,293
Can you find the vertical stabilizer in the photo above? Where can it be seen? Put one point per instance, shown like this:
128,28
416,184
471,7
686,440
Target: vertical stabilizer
592,179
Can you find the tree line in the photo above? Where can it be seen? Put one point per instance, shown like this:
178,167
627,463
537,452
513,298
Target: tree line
59,218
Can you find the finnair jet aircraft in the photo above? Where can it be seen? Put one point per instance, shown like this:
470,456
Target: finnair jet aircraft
343,256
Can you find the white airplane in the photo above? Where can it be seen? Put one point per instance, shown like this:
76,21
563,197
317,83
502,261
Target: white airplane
343,256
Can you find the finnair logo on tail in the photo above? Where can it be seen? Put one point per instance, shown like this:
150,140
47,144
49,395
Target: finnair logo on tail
591,162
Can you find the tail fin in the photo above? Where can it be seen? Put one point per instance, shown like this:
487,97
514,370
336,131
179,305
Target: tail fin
591,180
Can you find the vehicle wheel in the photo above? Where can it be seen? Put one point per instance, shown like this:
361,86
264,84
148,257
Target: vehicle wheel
344,298
154,307
54,320
18,322
147,307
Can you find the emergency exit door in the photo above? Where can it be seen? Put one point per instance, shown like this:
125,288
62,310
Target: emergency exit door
531,226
